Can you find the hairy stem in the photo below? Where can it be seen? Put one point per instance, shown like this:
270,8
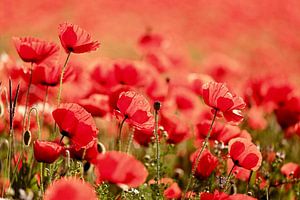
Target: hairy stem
194,168
119,142
27,96
61,79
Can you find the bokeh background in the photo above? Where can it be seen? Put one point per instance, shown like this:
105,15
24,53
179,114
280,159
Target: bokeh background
256,37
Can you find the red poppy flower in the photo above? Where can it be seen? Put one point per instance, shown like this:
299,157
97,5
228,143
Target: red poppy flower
196,81
150,42
70,188
89,154
239,172
291,170
215,196
77,124
34,50
120,168
46,152
244,154
217,96
206,165
48,75
114,95
172,190
241,197
256,118
143,136
127,73
288,114
136,109
76,40
175,126
220,132
103,77
96,104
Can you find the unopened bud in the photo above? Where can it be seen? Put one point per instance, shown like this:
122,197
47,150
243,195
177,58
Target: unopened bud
157,105
101,147
27,138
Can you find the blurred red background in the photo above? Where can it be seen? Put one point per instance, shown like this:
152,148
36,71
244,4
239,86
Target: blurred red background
260,35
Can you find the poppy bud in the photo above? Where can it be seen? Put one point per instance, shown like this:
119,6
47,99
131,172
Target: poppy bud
157,105
101,147
46,152
27,138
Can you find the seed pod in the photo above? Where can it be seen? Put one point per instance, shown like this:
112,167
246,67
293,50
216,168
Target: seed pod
27,138
101,148
86,166
157,105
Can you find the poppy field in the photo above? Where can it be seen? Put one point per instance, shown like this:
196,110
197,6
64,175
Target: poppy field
162,114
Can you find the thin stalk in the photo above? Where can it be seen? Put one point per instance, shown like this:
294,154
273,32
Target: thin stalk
119,142
61,79
194,168
130,139
67,162
42,178
44,105
228,178
157,146
248,182
27,96
12,107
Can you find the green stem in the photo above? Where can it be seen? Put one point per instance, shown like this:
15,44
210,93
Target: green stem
27,96
228,178
119,142
44,105
194,168
130,139
248,183
267,193
42,178
157,147
61,79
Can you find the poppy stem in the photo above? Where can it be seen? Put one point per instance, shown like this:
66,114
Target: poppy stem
12,107
27,96
61,139
228,178
248,183
61,79
157,108
130,139
37,121
44,105
67,162
194,168
119,142
42,178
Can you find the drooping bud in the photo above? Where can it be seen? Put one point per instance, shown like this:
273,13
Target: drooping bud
27,138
